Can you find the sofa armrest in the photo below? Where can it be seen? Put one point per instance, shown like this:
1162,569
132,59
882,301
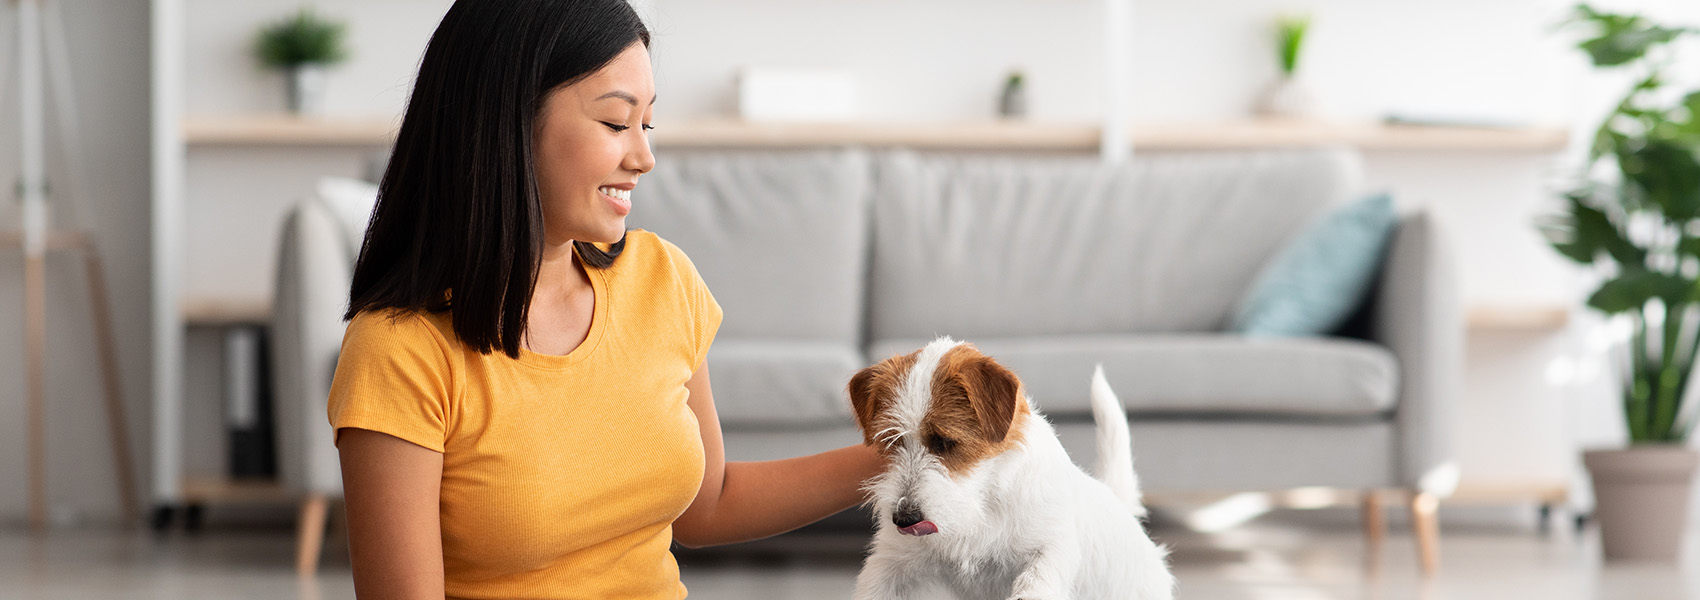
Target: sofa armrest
313,274
1419,317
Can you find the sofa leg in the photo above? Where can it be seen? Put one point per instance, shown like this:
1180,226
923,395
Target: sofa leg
310,533
1425,523
1375,523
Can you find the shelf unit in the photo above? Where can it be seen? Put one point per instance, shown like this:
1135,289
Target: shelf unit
283,130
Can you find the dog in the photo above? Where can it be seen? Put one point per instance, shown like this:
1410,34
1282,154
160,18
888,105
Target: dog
978,496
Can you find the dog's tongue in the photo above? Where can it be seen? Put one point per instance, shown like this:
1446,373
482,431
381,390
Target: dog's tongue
922,528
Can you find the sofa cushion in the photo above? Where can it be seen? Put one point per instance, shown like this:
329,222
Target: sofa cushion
1314,283
780,238
989,247
762,383
1197,375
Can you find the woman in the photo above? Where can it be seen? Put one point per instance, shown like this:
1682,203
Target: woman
522,402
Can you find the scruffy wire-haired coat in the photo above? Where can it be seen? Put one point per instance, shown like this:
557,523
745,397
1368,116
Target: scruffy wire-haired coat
979,497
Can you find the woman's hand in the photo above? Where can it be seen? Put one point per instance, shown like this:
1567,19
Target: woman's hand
744,501
394,535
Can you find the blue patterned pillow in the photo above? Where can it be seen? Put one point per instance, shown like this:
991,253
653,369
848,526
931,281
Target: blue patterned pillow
1311,287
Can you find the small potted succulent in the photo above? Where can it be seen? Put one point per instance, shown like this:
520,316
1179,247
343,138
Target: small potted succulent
1635,218
302,46
1287,97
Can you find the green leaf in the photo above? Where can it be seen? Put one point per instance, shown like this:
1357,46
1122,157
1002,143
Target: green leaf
1620,39
1290,37
1587,231
1631,291
1626,46
1669,175
304,38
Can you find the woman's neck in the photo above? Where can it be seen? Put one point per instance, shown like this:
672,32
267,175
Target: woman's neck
559,275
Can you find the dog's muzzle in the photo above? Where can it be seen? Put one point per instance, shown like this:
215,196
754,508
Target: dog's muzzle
910,521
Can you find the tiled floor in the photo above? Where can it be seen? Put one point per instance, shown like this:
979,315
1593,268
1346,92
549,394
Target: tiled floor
1269,559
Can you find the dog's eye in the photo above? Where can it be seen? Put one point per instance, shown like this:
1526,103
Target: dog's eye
939,444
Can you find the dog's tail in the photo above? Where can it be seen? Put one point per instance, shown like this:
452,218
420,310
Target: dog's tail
1115,444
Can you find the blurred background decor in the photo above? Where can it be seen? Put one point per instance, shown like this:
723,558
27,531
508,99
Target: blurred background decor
303,46
1012,103
1287,97
1634,217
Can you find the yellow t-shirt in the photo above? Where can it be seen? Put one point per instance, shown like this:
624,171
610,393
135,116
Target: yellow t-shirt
562,475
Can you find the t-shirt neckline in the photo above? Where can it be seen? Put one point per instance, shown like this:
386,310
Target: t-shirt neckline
593,339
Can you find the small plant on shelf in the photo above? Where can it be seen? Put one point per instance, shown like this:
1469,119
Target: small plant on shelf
302,46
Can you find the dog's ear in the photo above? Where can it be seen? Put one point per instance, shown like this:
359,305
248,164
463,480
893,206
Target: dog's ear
874,388
993,391
865,398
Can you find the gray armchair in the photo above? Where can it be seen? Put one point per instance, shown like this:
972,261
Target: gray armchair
319,243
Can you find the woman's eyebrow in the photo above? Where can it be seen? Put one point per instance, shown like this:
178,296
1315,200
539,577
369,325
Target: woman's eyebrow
630,99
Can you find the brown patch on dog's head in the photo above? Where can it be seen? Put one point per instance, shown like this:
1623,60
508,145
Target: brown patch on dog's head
976,409
872,391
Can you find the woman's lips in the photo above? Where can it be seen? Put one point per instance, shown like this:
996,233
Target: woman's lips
620,200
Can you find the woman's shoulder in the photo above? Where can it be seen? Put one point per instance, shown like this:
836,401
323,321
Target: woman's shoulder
388,329
647,250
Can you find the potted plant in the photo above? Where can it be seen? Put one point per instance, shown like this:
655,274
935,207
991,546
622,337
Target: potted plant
302,46
1287,97
1635,216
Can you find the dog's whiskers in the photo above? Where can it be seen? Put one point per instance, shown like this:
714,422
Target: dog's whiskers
890,435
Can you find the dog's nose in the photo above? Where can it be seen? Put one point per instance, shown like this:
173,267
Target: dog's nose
906,514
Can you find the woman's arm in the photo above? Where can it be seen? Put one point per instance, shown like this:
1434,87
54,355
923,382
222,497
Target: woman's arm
743,501
394,536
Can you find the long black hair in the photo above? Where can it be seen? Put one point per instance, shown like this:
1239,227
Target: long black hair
458,219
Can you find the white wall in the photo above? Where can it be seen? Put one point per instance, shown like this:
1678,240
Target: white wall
108,42
928,60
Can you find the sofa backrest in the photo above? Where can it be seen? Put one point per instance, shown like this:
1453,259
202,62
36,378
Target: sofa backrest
780,237
989,246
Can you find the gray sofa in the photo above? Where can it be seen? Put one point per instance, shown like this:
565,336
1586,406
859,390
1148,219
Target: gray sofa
825,261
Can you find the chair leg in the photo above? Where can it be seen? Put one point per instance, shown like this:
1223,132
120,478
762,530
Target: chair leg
1375,523
1426,525
310,533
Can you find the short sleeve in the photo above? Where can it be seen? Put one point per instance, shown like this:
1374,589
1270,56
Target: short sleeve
393,376
707,317
705,312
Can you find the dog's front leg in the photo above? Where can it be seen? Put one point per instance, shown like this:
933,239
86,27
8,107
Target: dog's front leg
1051,574
884,576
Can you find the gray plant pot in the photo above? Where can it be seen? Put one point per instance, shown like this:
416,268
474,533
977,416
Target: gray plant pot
306,89
1641,499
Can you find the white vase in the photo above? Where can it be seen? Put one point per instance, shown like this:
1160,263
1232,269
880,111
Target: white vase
1287,98
306,89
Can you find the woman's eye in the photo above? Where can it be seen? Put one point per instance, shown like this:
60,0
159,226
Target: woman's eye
648,127
616,128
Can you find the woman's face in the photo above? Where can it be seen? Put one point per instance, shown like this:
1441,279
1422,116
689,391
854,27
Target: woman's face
591,145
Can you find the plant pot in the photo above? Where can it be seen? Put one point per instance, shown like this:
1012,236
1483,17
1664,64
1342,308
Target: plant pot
1641,499
1287,98
306,89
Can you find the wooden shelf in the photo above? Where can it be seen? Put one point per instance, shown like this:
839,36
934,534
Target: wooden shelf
218,490
286,130
225,311
991,135
1505,317
1361,135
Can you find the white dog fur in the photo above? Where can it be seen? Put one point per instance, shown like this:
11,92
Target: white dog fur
980,499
